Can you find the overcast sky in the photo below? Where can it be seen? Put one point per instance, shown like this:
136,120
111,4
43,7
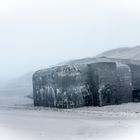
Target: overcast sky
35,34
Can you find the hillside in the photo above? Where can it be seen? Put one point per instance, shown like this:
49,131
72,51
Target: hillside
15,91
123,53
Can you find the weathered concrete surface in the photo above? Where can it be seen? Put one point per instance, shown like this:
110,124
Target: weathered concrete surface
63,87
96,82
124,83
103,85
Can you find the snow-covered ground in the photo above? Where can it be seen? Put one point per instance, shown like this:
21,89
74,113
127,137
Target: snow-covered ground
56,125
20,120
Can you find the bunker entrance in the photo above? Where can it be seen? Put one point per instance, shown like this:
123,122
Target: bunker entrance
136,95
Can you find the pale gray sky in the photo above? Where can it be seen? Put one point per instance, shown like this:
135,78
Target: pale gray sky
38,33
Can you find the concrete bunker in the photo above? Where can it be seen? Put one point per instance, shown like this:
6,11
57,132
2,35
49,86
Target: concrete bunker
99,82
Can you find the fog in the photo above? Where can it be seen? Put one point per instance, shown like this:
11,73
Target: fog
35,34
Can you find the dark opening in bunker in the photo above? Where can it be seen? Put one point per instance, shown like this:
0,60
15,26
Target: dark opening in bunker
136,95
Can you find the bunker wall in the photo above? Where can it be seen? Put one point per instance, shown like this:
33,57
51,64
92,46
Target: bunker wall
104,77
125,84
63,87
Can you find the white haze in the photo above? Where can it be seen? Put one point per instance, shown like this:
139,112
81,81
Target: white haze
38,33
